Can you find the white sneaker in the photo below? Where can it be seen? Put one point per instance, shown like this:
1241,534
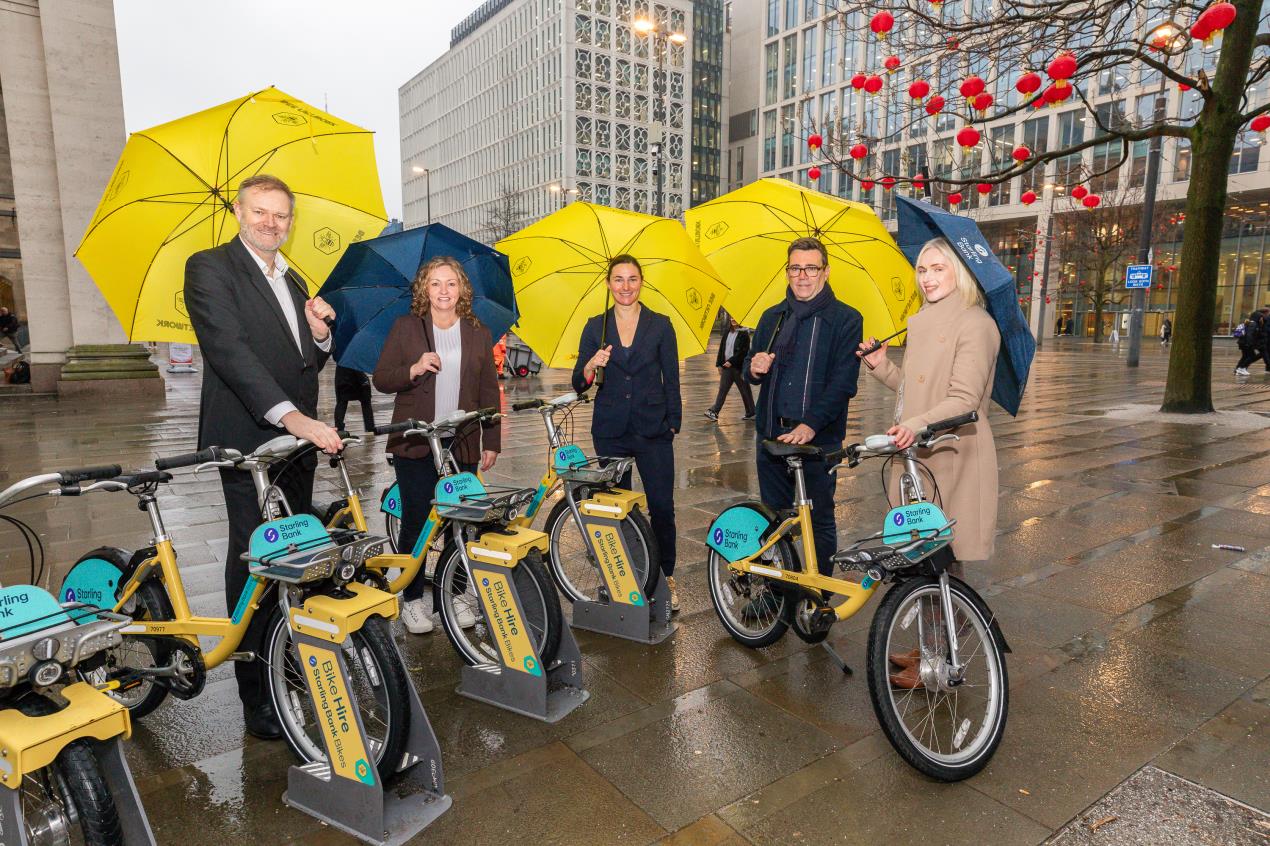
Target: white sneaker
1241,371
466,618
416,617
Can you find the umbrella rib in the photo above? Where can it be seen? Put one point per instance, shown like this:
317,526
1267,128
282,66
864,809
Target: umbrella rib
152,199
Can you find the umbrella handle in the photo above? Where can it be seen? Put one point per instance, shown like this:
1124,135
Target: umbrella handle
775,332
877,345
604,330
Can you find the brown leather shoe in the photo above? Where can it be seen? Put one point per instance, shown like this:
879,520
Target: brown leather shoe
907,678
904,660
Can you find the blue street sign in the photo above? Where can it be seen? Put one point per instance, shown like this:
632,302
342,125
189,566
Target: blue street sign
1137,276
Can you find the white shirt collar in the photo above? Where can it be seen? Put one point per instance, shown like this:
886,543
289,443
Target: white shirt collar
280,266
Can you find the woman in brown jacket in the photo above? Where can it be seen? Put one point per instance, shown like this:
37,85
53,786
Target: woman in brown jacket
947,370
437,359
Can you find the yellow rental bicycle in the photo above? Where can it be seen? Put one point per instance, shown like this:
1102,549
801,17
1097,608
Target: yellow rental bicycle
936,664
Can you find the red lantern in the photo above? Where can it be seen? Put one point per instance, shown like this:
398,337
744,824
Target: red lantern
887,183
972,87
919,184
968,138
858,152
1047,299
1054,95
982,102
919,89
1038,103
857,81
1062,68
892,64
873,84
1079,192
813,173
934,105
1213,20
1091,202
1021,153
1028,84
1159,286
814,141
984,188
866,184
1260,123
881,24
1172,268
1201,32
1182,86
955,198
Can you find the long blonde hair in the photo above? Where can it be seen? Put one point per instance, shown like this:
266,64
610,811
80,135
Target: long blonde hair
421,306
966,285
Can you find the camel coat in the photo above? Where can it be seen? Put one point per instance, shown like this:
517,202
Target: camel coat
947,370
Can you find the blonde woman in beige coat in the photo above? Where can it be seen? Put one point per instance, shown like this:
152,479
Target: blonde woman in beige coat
947,371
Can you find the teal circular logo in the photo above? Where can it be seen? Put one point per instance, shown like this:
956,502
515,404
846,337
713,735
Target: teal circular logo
531,664
634,597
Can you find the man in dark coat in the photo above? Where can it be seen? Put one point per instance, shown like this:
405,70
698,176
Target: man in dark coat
731,363
264,342
802,359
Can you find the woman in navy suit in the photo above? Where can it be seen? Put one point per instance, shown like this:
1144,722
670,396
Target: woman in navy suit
637,407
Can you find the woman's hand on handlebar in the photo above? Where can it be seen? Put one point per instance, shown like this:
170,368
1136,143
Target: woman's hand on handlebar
488,457
874,358
315,432
903,436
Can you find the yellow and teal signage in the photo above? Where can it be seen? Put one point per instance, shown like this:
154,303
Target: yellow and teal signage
506,625
335,714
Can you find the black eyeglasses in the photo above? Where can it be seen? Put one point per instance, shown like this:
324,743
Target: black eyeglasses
804,270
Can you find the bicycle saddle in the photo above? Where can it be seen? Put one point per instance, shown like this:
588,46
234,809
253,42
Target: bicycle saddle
780,449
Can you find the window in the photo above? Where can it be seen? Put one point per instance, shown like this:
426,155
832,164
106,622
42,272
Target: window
1002,139
1106,155
602,99
1036,138
584,162
582,130
603,135
773,17
771,62
769,141
1247,152
790,66
829,58
791,14
582,97
1143,115
582,64
1071,130
809,59
603,68
582,29
787,135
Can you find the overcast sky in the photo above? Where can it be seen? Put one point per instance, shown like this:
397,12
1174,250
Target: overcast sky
180,56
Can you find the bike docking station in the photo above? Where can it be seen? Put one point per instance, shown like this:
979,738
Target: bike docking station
43,640
345,791
623,610
517,681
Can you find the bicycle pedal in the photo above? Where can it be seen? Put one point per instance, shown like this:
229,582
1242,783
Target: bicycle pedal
823,618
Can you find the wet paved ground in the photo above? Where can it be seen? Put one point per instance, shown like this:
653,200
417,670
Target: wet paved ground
1134,641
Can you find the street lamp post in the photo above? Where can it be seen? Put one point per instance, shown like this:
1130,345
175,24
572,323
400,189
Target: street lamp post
427,186
646,27
1054,190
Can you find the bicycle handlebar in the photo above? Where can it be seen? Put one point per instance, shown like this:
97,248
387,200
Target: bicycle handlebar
525,405
394,428
188,459
88,474
953,422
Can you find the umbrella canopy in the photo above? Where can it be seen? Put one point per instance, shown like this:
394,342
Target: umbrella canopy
171,194
745,234
371,287
560,266
920,222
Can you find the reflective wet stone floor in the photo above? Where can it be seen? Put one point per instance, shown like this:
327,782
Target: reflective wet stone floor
1135,643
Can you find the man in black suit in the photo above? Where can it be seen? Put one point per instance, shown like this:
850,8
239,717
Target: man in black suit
264,342
732,351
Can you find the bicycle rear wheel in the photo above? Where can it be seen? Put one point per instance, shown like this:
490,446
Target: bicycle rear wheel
754,609
571,568
947,731
376,678
140,697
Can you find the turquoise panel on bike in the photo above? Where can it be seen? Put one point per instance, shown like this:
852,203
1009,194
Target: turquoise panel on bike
93,581
568,457
737,533
424,535
452,489
391,503
25,609
244,599
924,517
300,531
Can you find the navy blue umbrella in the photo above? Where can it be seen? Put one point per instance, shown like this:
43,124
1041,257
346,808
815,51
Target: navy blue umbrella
370,287
920,222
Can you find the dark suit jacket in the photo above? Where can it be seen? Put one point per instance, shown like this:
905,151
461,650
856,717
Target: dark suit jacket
739,350
250,357
411,337
641,394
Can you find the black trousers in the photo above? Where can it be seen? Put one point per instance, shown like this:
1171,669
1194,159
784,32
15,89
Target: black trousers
368,415
729,376
655,461
1249,356
244,516
776,488
416,482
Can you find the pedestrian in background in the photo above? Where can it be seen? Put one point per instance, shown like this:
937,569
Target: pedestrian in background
352,386
638,409
437,359
9,325
1166,332
802,360
730,362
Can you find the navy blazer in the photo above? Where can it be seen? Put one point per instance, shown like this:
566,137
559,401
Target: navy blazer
640,393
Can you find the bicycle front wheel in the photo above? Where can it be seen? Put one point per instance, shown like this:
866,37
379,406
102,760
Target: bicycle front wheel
69,803
456,601
571,568
752,608
945,729
376,680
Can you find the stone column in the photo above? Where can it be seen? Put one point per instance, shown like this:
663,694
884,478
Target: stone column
59,73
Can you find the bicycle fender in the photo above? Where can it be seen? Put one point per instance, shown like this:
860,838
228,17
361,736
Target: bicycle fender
96,578
390,502
739,531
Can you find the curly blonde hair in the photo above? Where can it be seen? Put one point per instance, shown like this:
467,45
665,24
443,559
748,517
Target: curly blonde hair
421,306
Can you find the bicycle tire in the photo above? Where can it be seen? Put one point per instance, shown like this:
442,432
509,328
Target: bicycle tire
576,586
883,643
151,599
539,608
727,588
382,695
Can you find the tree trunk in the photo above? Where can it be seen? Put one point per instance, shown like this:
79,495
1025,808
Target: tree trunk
1097,317
1189,386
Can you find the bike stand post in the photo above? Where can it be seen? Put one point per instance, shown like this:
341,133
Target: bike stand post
623,609
345,790
517,681
836,658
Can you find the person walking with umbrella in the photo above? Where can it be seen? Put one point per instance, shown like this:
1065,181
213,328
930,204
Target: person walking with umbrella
631,354
948,370
437,359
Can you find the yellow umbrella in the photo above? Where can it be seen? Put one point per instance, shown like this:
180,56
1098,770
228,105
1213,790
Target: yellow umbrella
745,235
172,189
559,270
